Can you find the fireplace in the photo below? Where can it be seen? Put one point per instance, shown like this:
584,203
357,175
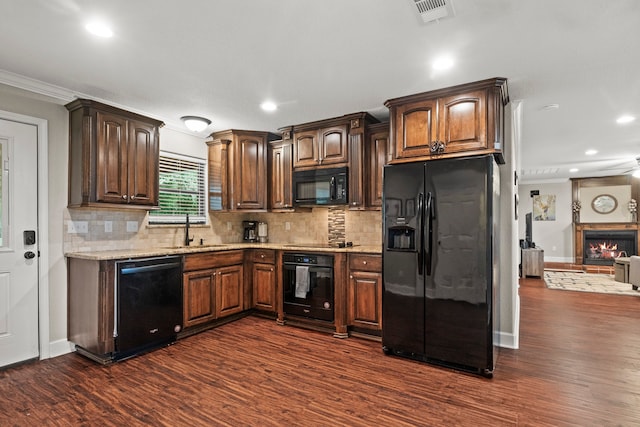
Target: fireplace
601,247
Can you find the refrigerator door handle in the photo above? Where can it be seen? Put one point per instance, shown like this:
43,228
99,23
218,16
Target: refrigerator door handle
431,215
421,213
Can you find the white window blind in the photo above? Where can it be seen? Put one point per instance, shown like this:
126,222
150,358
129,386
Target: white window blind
181,189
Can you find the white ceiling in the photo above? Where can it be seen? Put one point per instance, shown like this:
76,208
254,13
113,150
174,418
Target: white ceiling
320,59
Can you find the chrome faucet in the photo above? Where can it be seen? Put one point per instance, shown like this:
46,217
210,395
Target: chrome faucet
187,240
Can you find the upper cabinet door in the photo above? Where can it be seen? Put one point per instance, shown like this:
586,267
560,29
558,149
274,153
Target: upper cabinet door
463,121
250,174
415,128
378,147
143,163
280,176
305,149
333,145
111,162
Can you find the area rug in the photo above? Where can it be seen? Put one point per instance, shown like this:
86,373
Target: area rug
587,282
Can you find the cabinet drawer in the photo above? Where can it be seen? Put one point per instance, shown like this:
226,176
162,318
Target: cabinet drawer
263,255
365,263
207,260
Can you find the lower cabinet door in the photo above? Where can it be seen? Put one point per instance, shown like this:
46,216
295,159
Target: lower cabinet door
365,300
199,297
229,290
264,287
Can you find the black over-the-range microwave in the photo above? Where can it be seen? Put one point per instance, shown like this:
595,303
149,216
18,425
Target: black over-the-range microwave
321,187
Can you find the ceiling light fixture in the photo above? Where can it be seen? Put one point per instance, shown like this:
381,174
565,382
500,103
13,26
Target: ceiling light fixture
195,123
551,107
99,29
442,63
625,119
269,106
591,152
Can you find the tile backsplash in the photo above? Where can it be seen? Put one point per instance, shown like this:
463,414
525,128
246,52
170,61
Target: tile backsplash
114,230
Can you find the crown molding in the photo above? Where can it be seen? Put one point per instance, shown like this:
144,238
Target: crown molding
36,86
64,96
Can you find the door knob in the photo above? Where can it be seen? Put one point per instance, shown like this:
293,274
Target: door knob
29,255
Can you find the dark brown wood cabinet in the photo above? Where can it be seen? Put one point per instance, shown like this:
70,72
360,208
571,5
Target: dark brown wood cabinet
113,157
213,286
90,294
461,120
280,174
238,170
336,142
377,154
320,147
199,293
264,280
364,296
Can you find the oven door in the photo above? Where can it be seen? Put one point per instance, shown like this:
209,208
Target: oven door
318,301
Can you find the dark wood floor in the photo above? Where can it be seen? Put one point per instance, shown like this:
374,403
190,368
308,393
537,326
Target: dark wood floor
579,364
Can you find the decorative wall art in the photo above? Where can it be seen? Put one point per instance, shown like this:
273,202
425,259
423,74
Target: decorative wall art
544,207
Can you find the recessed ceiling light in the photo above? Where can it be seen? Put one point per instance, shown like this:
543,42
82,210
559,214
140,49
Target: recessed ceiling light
574,170
551,107
625,119
591,152
442,63
269,106
99,29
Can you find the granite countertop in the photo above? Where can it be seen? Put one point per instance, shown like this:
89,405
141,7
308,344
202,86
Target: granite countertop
160,251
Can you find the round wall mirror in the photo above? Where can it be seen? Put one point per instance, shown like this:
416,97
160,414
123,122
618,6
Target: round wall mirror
604,203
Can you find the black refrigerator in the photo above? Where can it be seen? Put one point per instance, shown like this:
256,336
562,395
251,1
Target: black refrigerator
440,269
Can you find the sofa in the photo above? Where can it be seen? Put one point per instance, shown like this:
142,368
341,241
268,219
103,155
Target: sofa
634,272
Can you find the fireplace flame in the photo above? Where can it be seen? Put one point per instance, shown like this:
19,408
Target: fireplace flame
603,250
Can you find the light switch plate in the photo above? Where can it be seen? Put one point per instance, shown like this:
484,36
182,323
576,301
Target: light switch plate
132,226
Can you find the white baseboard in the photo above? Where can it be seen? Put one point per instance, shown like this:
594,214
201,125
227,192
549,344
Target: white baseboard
506,340
60,347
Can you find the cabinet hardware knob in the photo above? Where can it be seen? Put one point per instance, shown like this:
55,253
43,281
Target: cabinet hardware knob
124,197
271,269
238,204
133,197
364,262
261,255
351,276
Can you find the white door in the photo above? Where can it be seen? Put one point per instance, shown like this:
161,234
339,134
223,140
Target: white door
18,252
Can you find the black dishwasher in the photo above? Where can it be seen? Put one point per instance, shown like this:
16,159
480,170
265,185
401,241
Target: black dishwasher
148,304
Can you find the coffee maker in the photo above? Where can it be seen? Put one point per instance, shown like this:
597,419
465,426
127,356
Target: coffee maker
250,231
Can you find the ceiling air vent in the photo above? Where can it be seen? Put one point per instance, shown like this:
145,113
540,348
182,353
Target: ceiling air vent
434,10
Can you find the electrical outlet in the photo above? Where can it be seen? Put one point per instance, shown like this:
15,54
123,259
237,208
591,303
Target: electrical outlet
287,226
82,227
228,225
108,226
77,227
132,226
